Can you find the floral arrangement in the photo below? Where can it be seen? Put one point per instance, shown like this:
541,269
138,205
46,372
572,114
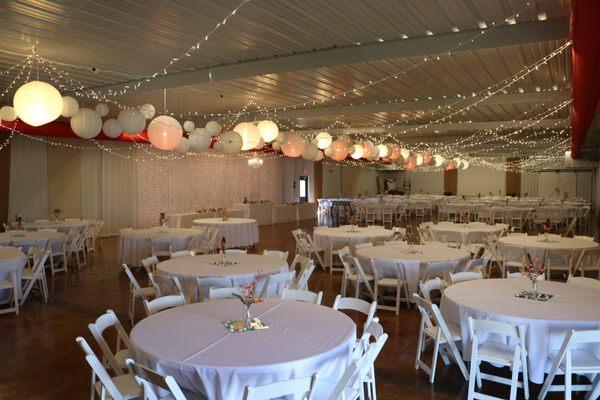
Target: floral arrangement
18,222
162,218
533,269
56,212
223,245
465,217
548,225
212,209
248,295
225,216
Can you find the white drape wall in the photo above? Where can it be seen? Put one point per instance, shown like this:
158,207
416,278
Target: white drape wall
431,182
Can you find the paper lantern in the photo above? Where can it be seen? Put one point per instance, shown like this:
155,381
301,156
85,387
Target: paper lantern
374,154
147,110
132,121
346,139
268,130
458,162
219,146
394,152
199,139
384,151
323,140
293,146
249,133
276,146
37,103
310,152
101,109
340,150
411,162
281,137
70,107
213,128
319,156
369,149
328,152
451,165
399,160
112,128
404,152
260,145
465,164
183,146
357,152
231,142
8,113
164,132
439,160
419,158
189,126
86,123
426,158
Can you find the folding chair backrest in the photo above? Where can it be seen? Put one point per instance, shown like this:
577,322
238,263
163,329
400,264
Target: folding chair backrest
429,285
149,379
351,303
584,282
204,284
150,264
165,284
388,268
236,251
136,286
439,269
163,303
299,388
302,295
490,326
97,329
465,276
223,293
183,253
99,369
283,255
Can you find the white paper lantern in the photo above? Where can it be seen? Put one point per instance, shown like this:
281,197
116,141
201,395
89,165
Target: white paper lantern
439,160
260,145
281,137
465,164
183,146
86,123
189,126
70,107
268,130
8,113
276,146
310,152
340,150
200,140
112,128
383,150
369,150
319,156
358,151
293,146
404,152
394,152
374,153
419,158
164,132
37,103
219,146
148,110
213,127
132,121
249,133
328,152
346,139
102,109
323,140
231,142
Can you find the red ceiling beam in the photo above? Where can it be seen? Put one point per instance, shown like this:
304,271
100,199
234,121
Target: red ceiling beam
585,30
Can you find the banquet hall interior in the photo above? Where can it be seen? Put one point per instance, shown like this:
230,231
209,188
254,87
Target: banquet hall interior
303,199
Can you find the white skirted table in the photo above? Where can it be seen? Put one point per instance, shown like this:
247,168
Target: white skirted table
186,220
246,266
136,244
334,238
473,232
238,232
261,212
191,344
61,225
412,261
554,243
546,323
12,261
27,239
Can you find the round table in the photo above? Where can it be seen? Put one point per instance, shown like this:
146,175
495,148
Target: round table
473,232
27,239
11,261
333,238
239,232
556,243
546,323
61,225
187,269
135,244
412,261
191,344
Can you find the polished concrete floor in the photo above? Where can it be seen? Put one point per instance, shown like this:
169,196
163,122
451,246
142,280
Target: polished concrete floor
39,358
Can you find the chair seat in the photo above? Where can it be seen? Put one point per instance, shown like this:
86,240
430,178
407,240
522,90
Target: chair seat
6,284
581,361
354,277
432,331
496,352
27,274
149,291
390,282
126,384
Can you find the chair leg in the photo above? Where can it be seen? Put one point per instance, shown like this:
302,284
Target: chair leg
568,378
419,346
514,381
472,378
436,348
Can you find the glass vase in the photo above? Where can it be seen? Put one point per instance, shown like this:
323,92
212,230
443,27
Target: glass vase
533,279
247,319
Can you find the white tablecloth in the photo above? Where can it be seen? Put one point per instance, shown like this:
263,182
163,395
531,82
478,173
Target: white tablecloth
546,323
191,344
186,220
473,232
412,262
11,261
261,212
285,213
62,225
187,269
238,232
136,244
558,243
39,239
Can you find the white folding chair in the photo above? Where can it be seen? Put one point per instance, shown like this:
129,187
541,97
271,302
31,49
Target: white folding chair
35,275
11,284
150,263
349,387
353,272
465,276
222,293
165,285
302,295
163,303
437,270
583,282
477,265
426,288
589,260
351,303
445,337
559,260
161,247
308,248
282,255
152,382
182,253
390,275
510,258
137,292
275,284
113,359
58,256
507,350
204,285
571,360
306,269
236,251
199,243
365,353
299,388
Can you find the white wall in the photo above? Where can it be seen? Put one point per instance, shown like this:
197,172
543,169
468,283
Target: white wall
431,182
348,181
472,181
332,183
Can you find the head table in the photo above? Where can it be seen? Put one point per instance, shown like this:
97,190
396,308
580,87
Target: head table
135,244
12,261
27,239
546,323
191,344
187,269
238,232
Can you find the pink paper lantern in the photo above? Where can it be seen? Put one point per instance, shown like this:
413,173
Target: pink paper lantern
293,145
340,150
395,153
165,132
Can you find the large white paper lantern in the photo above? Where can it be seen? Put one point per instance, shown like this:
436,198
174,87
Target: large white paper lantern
268,130
310,152
200,140
276,146
465,164
8,113
369,150
419,158
189,126
358,151
148,110
213,127
70,107
395,152
37,103
340,150
293,146
404,152
384,151
112,128
86,123
231,142
165,132
323,140
132,121
183,146
249,133
260,145
346,139
439,160
101,109
319,156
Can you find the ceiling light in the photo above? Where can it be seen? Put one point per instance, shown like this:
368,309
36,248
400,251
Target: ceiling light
542,16
403,36
428,33
511,21
379,40
455,29
482,25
